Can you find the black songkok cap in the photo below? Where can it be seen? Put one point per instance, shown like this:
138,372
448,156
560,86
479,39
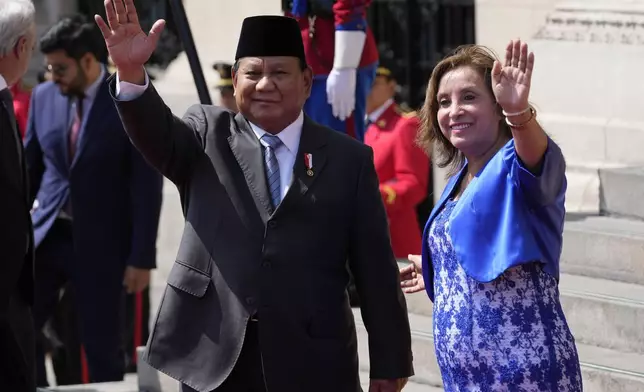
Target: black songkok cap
270,35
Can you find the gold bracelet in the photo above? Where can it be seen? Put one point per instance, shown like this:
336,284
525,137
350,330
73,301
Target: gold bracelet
533,114
514,114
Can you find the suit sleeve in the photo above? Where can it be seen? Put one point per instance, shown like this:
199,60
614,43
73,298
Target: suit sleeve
170,144
377,281
33,151
411,167
351,15
146,190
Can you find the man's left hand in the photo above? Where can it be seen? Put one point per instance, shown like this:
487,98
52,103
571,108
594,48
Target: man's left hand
136,279
387,385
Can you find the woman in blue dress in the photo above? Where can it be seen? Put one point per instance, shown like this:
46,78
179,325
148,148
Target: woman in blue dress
491,247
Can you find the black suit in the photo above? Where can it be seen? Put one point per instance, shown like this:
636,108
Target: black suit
16,263
237,259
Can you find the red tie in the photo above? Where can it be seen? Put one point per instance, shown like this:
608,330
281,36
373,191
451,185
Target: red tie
75,130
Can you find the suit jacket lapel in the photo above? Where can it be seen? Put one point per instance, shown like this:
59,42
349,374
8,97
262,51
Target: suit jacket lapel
312,142
62,105
8,106
248,153
102,102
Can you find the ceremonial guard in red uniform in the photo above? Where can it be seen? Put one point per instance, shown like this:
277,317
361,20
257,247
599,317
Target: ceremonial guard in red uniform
402,167
225,86
341,50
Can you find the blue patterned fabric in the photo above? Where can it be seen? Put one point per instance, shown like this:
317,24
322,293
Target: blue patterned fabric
509,334
272,143
503,199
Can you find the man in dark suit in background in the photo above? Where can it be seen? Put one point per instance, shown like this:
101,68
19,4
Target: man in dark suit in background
97,205
275,205
17,38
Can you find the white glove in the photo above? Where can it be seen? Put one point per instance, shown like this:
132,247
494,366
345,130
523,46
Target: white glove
341,83
341,92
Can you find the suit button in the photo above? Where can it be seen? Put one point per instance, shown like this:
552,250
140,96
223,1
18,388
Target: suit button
250,300
272,224
266,264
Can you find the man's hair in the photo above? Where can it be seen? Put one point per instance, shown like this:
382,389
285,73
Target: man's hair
16,18
74,36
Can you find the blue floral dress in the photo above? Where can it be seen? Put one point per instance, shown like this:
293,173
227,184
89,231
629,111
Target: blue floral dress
506,335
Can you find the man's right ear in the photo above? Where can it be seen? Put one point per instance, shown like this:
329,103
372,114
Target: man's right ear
233,74
19,48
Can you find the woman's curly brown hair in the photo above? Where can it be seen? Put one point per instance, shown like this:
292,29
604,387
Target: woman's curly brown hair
482,60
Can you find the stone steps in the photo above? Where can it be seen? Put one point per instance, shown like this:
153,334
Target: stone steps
604,188
604,247
603,369
621,192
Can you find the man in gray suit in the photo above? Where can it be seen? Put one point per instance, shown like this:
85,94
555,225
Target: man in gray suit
278,210
17,337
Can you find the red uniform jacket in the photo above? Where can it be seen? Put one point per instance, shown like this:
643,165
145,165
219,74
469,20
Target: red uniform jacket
403,171
318,33
21,99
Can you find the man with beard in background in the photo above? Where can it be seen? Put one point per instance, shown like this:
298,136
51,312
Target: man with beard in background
97,204
17,38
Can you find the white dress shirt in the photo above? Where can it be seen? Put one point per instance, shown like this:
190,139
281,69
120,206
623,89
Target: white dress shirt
3,83
285,154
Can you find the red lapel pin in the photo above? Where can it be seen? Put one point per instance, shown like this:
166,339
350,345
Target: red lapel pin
308,161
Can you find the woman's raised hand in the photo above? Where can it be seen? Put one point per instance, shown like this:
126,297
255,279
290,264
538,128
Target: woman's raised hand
511,82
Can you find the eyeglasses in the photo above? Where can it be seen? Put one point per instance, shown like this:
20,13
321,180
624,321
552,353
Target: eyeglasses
57,69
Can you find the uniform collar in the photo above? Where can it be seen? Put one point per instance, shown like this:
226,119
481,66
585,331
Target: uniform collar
375,115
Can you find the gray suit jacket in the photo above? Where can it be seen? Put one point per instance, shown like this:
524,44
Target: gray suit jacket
290,267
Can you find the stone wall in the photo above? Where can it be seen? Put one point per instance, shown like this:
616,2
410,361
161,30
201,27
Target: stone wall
586,81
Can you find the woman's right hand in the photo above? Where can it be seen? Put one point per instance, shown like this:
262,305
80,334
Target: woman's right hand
411,276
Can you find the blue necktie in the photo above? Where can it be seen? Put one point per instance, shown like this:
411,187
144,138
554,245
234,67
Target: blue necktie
271,144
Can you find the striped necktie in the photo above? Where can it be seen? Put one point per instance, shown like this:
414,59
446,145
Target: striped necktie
271,144
75,129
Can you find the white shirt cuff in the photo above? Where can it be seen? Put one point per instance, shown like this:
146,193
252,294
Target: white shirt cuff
126,91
